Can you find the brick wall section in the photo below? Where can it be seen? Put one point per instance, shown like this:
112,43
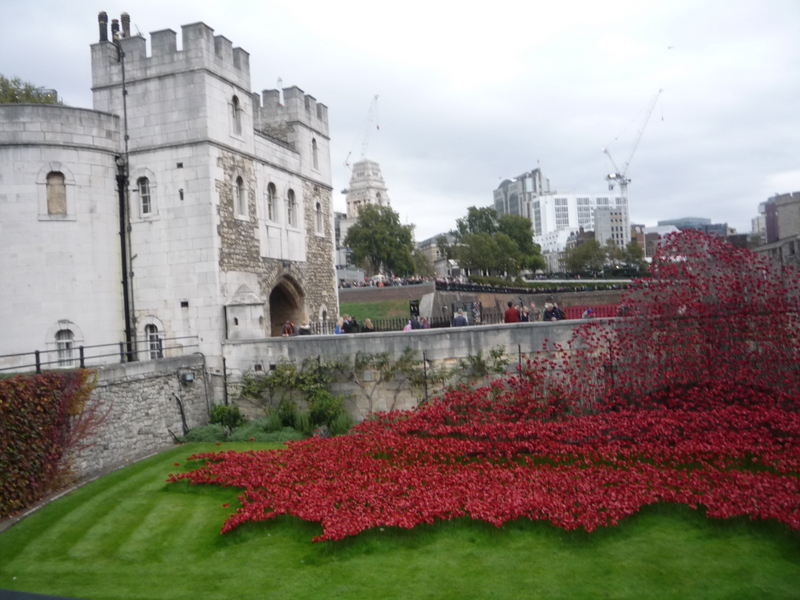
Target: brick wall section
142,410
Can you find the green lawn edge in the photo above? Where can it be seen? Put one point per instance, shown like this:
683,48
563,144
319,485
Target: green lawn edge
131,535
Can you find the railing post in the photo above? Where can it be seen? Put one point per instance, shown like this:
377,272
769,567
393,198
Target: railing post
425,373
82,362
38,362
122,352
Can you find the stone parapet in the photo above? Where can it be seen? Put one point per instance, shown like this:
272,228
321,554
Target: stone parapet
55,125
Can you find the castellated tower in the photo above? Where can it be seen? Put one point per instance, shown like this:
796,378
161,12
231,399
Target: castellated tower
225,195
366,187
230,196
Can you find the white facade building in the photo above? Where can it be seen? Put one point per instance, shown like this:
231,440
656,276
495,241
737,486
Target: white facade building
366,187
221,197
612,224
556,212
529,195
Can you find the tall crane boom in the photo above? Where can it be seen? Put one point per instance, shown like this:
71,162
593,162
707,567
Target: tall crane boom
619,176
372,116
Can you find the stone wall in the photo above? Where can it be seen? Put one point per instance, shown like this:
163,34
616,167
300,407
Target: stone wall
442,347
143,414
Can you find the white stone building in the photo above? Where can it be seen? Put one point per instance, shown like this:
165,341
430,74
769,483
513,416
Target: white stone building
551,212
612,223
366,186
226,227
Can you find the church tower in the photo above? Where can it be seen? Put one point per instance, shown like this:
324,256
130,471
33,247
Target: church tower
366,187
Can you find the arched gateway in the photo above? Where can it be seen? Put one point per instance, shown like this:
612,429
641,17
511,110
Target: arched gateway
286,303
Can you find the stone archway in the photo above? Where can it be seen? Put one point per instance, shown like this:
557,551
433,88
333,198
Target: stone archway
285,304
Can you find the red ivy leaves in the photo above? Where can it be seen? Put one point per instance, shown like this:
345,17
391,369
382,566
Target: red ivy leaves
691,398
43,418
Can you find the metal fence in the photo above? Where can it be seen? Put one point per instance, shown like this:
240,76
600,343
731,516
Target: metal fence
67,356
487,317
446,286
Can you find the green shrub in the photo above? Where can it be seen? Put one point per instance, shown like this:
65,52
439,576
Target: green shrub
287,434
207,433
286,410
324,407
341,424
302,422
227,416
271,422
252,432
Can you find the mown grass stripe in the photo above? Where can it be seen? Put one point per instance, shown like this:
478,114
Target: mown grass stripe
168,546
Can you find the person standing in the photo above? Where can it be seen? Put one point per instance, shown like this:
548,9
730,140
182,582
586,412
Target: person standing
552,312
534,314
368,326
523,315
347,326
511,315
460,320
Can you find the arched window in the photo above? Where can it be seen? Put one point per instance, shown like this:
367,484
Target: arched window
64,344
271,195
56,194
154,342
379,198
314,157
236,114
239,197
145,203
318,217
291,209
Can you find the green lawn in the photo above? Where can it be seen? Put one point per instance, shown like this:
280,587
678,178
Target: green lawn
385,309
131,535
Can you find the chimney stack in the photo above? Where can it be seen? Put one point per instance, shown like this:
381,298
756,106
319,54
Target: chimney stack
102,20
115,29
126,24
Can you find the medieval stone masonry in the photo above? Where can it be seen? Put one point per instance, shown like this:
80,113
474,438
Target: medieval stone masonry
226,229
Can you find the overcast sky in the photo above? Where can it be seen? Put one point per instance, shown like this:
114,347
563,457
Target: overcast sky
474,93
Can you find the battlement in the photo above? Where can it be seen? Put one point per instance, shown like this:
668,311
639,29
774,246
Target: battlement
297,106
201,49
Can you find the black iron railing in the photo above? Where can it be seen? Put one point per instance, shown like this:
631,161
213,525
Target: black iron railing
67,356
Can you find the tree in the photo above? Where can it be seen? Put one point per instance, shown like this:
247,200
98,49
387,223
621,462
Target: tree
422,264
633,256
508,257
379,238
520,230
445,247
16,91
614,254
503,244
587,257
477,251
478,220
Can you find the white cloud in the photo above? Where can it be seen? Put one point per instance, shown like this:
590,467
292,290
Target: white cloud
472,94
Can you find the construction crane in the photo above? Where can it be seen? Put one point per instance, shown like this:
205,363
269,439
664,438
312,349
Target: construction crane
620,176
372,116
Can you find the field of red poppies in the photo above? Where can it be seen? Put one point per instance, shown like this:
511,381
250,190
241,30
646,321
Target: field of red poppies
691,396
